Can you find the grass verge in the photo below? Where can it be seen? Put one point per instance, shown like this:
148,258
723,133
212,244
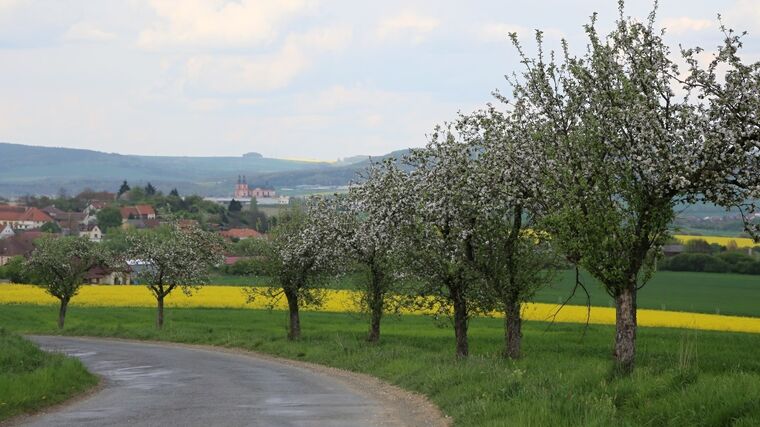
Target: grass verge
682,378
31,379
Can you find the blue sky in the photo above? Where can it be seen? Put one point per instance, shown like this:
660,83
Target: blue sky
289,78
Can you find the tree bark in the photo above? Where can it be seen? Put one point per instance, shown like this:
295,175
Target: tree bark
460,323
625,328
160,312
512,329
62,312
376,307
294,322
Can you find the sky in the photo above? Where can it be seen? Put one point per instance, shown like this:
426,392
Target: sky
301,79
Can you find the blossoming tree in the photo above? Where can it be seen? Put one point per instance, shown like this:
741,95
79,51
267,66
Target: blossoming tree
174,258
622,140
366,222
59,266
300,256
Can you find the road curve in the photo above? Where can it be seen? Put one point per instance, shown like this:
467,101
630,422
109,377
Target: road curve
148,384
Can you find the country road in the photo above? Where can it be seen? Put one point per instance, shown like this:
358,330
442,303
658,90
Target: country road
169,385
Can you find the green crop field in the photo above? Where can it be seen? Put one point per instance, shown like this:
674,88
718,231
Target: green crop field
682,378
721,293
31,379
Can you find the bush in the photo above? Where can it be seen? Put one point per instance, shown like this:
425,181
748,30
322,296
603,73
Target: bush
728,262
14,271
246,267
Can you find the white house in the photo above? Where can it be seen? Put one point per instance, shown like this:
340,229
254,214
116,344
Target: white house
6,232
93,233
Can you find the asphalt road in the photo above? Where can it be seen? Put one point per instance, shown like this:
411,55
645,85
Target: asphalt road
164,385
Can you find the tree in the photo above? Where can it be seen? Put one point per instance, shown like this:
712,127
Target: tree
512,253
150,190
299,257
15,270
174,258
109,218
441,245
619,149
174,192
123,189
366,221
59,266
235,206
50,227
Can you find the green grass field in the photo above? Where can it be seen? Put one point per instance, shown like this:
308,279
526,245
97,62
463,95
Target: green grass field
721,293
31,379
684,378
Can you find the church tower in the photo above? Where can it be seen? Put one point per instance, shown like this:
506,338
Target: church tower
241,189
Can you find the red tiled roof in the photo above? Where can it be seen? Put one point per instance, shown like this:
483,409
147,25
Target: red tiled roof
20,213
240,233
20,244
137,211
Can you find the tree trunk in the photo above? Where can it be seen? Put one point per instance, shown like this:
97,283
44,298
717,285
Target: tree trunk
294,322
160,312
625,328
460,323
375,301
512,329
62,312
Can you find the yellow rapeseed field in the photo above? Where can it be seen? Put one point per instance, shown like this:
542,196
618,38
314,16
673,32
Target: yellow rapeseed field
741,242
345,301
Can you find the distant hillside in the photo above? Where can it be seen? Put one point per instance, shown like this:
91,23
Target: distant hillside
28,169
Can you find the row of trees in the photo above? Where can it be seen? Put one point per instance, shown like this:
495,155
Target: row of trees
591,153
167,259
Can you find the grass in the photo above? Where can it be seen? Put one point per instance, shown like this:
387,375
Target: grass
712,293
31,379
682,377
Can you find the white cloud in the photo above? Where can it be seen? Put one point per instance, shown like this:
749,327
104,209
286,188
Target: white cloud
203,23
685,24
407,25
240,74
85,31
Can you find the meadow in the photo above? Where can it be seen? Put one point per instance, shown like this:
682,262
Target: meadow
31,378
686,378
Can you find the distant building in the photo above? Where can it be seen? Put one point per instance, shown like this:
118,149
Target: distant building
242,191
22,244
240,233
22,218
100,275
137,212
92,232
6,232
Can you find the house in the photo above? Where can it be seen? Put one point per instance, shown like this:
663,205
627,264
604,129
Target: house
137,212
69,222
95,206
22,244
240,233
92,232
7,231
23,218
100,275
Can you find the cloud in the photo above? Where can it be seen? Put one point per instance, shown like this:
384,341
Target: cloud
685,24
85,31
239,74
204,23
407,25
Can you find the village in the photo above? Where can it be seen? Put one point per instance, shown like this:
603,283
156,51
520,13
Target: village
106,214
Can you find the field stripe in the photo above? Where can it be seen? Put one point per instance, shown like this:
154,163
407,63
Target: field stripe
347,301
